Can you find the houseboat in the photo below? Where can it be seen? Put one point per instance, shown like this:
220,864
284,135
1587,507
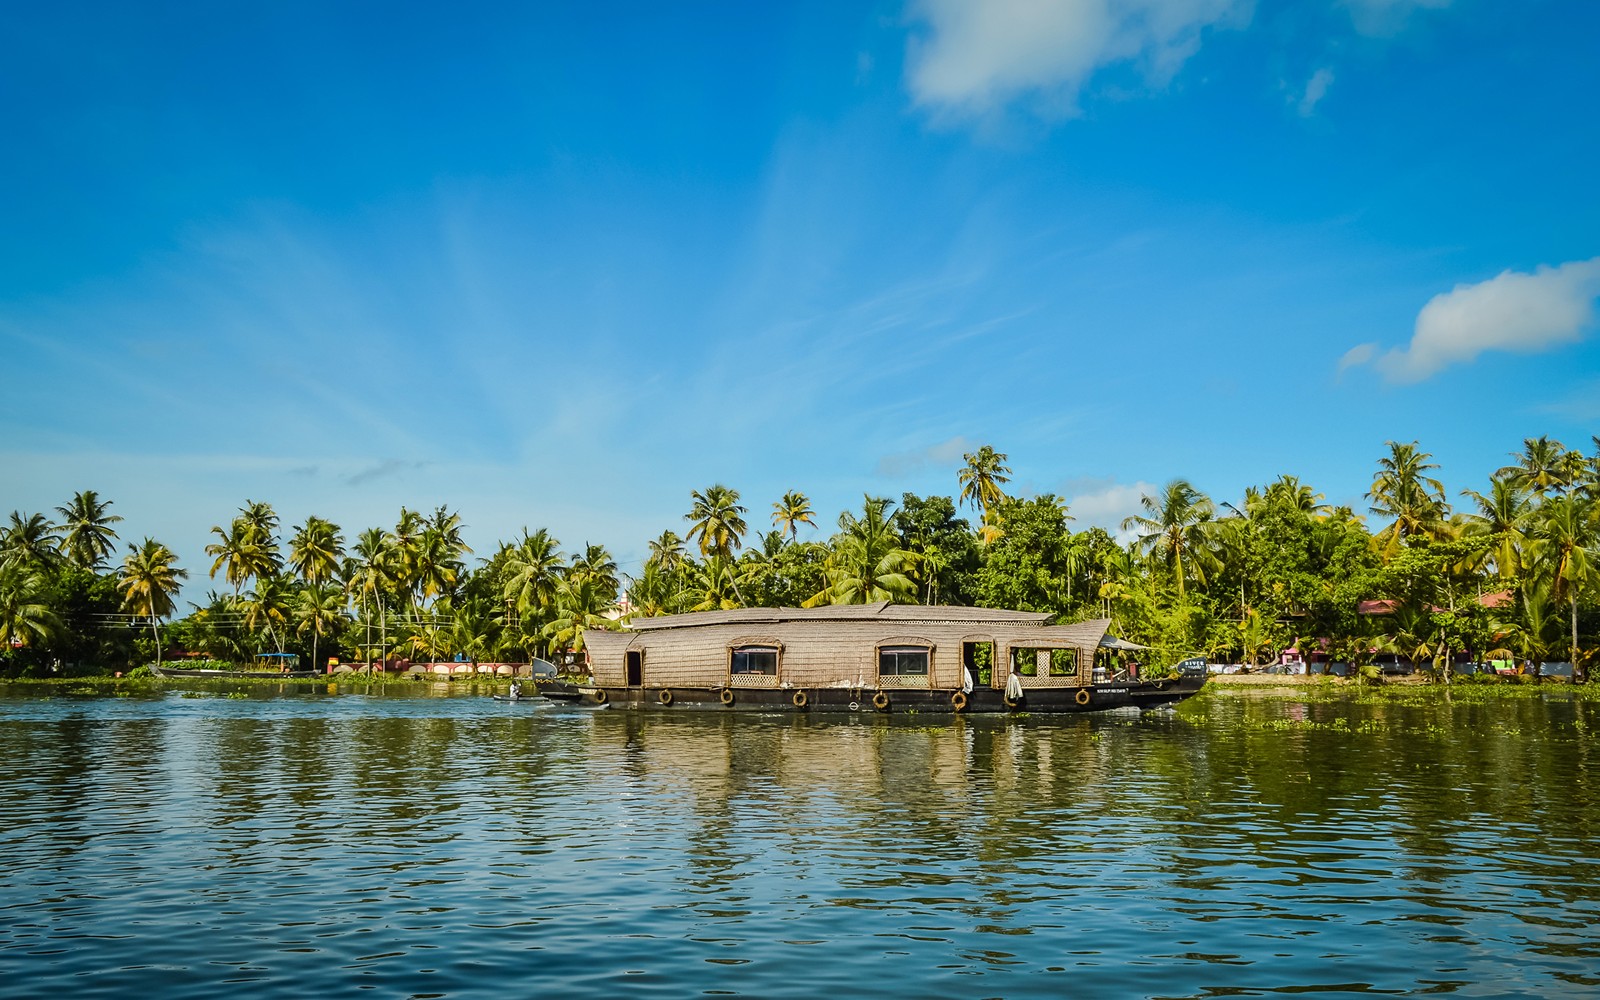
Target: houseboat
871,657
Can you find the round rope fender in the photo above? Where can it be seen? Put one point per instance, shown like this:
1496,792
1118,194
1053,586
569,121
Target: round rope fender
958,701
1082,697
725,696
600,696
800,699
664,696
880,700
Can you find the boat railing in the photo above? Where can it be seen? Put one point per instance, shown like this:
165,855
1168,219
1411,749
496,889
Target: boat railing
753,681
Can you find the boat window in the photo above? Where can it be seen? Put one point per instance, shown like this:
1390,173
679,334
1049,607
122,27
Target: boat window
755,660
1044,662
901,661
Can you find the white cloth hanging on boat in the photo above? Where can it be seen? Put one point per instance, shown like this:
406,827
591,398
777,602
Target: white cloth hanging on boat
1014,686
966,681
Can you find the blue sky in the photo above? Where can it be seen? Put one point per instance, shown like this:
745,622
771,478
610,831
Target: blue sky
559,265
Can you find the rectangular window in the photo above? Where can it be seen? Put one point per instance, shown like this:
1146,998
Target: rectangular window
756,660
1045,662
903,661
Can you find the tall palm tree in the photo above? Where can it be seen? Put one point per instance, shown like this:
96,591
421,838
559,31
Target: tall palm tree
1175,529
315,550
268,607
666,552
231,553
372,576
1402,491
533,569
716,521
317,608
867,563
793,510
89,537
1504,517
596,568
31,544
150,577
981,478
1541,466
1563,541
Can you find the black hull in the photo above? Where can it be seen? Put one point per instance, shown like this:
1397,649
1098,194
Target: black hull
226,675
1143,695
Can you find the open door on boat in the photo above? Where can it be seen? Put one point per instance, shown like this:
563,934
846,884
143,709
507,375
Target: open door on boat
635,665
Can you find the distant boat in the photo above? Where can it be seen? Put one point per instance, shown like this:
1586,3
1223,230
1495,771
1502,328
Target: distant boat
265,666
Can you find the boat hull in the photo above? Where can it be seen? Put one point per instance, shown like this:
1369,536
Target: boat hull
224,675
1143,695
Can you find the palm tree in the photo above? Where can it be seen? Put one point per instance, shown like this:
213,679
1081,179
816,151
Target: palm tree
317,608
89,537
867,563
579,608
532,569
1175,529
1401,491
597,569
717,521
1563,538
1503,517
31,544
149,579
371,577
985,472
315,550
25,617
268,607
791,512
231,553
1540,467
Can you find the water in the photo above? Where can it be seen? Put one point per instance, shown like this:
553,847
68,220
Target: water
310,844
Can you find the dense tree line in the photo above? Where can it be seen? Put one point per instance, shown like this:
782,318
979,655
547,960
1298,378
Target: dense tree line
1516,566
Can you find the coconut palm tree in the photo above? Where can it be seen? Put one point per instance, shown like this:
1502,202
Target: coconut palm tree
371,576
1503,517
716,521
579,607
1175,529
1401,491
867,563
596,568
231,553
793,510
25,617
268,607
89,537
532,571
30,544
1563,540
317,608
149,578
981,478
315,550
1541,466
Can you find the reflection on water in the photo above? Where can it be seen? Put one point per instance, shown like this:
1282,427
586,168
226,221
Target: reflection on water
295,845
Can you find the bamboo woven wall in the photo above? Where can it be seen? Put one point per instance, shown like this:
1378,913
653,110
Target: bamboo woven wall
828,652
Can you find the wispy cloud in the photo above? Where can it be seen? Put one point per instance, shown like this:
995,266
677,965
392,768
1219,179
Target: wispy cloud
382,470
1387,17
1316,90
945,453
1514,311
974,58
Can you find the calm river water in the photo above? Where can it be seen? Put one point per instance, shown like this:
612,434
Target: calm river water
301,844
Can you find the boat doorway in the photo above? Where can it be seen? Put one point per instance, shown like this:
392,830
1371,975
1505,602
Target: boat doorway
978,659
635,664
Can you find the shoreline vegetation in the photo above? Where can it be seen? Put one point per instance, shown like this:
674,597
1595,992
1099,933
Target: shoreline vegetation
1509,575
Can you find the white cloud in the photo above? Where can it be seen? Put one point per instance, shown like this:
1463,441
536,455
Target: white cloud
1513,311
1386,17
977,55
1104,503
1357,356
1316,90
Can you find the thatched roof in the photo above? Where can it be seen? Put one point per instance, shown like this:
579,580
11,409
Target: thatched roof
883,612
